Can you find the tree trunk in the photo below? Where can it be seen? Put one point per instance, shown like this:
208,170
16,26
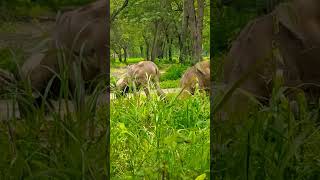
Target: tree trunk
184,31
148,51
193,30
161,49
200,27
147,47
114,56
168,45
180,49
196,22
154,43
141,51
125,55
191,35
170,50
120,55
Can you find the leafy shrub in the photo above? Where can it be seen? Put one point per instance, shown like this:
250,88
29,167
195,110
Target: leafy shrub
169,84
113,80
174,72
8,58
38,10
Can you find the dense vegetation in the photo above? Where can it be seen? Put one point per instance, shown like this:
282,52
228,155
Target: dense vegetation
157,29
156,139
153,138
66,143
272,141
17,9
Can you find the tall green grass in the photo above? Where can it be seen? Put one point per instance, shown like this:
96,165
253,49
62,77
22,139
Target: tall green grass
47,145
273,141
170,84
6,58
156,139
174,72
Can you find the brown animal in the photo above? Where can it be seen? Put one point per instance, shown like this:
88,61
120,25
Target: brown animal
140,75
199,73
82,34
286,41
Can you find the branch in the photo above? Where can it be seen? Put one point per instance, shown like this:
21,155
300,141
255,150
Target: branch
124,5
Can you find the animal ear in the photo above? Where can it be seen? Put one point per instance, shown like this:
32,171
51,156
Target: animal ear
289,18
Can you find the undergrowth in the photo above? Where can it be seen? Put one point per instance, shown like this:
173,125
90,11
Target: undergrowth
272,141
158,139
65,142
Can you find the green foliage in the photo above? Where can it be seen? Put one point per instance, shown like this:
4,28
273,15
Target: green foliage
46,144
170,84
174,72
5,59
9,58
228,22
154,139
116,63
7,27
113,80
37,10
11,9
142,20
271,142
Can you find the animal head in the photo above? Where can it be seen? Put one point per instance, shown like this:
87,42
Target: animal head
203,68
122,85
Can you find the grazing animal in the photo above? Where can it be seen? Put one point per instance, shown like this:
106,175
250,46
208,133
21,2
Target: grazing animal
140,75
199,73
82,34
285,42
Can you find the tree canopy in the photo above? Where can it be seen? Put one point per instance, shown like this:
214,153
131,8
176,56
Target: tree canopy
155,29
